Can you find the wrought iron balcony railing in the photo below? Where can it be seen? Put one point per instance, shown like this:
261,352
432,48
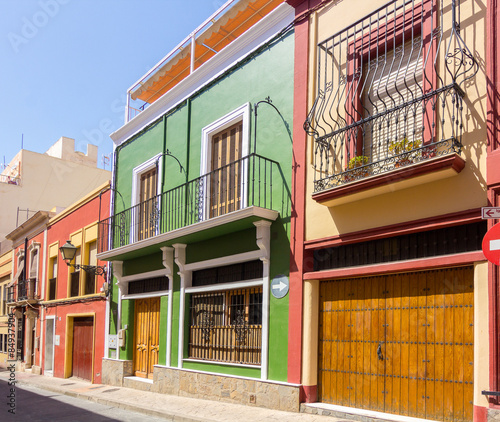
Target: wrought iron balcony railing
390,91
26,290
10,294
238,185
11,180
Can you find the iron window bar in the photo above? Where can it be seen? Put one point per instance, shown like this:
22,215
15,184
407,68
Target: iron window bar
390,91
226,326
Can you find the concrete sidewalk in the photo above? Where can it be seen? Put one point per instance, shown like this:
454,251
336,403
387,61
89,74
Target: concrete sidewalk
174,408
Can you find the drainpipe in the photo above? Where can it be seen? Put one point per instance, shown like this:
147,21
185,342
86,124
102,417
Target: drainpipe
42,294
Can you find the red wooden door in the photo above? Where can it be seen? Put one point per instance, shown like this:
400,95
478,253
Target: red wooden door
83,330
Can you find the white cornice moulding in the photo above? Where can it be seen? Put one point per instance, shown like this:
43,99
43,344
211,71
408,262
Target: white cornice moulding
193,228
248,42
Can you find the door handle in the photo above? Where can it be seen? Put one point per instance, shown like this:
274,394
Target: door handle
379,351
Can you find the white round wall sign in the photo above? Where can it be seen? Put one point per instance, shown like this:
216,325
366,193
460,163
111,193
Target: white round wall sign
280,286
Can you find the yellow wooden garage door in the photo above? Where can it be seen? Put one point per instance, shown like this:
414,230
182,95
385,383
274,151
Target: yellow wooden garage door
400,343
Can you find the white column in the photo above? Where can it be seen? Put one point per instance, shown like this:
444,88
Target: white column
118,271
180,260
263,239
168,263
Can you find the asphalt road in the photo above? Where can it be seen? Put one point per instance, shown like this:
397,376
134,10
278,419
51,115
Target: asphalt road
33,404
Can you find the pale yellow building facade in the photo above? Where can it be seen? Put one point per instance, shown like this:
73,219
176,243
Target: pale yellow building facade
396,292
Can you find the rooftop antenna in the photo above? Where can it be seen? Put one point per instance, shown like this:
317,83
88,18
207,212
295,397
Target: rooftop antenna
105,161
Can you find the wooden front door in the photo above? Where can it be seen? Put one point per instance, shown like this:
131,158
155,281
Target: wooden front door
225,180
83,340
148,211
146,336
400,343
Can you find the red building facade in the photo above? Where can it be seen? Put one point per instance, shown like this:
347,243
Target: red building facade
74,302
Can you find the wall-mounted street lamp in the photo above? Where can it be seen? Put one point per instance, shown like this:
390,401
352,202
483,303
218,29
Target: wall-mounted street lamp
68,252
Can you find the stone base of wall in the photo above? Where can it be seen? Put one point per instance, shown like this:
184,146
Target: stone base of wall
227,389
493,415
184,383
113,371
141,384
36,370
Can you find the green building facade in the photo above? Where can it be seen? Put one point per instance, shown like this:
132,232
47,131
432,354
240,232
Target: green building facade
199,238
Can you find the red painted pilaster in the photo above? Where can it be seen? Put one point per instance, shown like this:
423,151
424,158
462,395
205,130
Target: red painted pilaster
493,178
298,194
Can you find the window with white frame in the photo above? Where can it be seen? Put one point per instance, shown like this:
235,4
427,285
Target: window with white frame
34,264
21,277
33,270
224,163
145,198
226,325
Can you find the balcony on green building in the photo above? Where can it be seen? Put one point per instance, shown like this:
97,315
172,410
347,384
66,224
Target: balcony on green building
222,201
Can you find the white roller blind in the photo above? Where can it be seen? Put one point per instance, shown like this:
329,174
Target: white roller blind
393,80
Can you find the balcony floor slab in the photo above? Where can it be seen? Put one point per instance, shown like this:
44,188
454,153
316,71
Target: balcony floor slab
214,227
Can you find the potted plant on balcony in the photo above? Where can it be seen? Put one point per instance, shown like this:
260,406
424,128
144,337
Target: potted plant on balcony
357,169
405,151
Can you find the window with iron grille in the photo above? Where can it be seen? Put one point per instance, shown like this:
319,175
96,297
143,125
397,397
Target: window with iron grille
148,285
390,91
427,244
226,326
250,270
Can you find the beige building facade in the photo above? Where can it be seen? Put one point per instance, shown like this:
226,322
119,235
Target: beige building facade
34,181
396,293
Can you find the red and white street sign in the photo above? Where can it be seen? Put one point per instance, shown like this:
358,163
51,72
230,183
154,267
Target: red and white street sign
490,212
491,244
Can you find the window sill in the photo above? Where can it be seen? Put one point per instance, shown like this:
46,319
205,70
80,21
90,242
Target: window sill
73,299
214,362
417,174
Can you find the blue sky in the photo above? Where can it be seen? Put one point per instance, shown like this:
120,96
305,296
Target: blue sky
65,65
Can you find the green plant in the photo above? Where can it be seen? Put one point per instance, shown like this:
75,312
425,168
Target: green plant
399,147
357,161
